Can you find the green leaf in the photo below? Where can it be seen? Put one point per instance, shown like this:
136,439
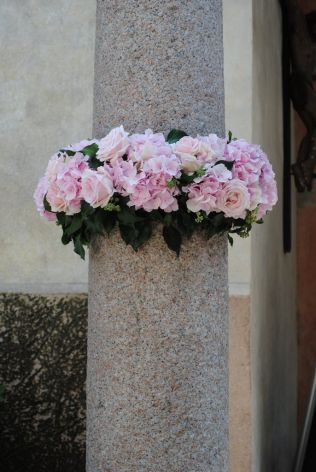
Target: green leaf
69,152
86,209
228,164
174,135
78,247
260,222
173,238
47,204
185,223
129,234
128,216
186,179
144,232
108,220
94,163
90,150
230,136
76,223
65,239
61,217
230,239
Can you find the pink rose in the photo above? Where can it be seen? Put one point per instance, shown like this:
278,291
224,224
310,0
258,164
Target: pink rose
97,187
39,195
234,199
216,144
194,153
114,145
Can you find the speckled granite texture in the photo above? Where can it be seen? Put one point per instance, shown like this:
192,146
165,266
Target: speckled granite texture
159,65
157,389
157,357
43,369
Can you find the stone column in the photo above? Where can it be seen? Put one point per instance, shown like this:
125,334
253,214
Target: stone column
157,386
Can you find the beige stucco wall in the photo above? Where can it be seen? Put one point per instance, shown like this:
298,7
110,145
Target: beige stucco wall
46,102
46,77
273,305
238,114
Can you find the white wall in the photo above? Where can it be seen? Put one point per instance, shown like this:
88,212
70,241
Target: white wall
46,75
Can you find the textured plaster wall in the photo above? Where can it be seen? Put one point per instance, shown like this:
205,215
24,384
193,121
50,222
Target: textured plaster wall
273,311
238,114
46,101
47,57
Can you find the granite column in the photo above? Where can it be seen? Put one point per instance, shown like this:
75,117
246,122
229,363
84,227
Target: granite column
157,386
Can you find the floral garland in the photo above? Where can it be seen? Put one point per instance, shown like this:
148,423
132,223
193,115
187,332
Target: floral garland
187,184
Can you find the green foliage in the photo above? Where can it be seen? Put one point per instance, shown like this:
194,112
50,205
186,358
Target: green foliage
174,135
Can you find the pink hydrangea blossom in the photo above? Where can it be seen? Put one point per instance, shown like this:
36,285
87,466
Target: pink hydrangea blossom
64,175
203,192
153,189
97,187
113,145
251,166
234,199
147,145
39,195
125,176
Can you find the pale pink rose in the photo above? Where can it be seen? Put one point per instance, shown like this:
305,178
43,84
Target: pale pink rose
215,144
97,187
234,199
113,145
39,195
147,145
187,149
194,153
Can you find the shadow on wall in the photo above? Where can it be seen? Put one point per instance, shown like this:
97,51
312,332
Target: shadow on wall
43,370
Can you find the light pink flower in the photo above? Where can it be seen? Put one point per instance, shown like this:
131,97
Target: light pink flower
234,199
125,176
113,145
216,144
152,190
97,187
203,192
64,182
147,145
39,195
194,153
251,166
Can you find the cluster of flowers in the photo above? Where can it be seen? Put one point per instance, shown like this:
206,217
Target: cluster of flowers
230,177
